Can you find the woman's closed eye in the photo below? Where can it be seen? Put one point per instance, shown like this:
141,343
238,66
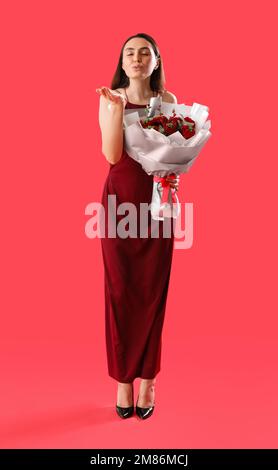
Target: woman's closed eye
142,53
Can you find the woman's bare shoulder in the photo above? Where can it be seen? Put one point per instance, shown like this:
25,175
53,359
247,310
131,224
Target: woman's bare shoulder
169,97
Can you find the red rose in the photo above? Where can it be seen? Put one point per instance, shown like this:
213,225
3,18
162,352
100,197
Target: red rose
176,119
171,126
158,120
188,119
187,132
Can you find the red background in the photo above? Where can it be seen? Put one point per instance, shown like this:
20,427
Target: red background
218,384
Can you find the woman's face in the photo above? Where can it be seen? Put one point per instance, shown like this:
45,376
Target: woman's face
139,58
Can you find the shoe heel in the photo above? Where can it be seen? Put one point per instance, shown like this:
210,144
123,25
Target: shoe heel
144,413
127,411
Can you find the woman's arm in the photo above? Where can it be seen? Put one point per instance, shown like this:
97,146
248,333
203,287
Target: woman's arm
111,111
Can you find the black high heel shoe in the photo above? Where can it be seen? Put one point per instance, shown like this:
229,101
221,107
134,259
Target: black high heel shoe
144,413
126,411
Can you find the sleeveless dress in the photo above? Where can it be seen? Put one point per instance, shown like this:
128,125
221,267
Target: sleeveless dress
136,278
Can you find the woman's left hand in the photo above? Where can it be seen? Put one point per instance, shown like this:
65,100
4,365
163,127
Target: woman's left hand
174,182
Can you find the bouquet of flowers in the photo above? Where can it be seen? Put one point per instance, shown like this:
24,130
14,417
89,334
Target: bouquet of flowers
165,138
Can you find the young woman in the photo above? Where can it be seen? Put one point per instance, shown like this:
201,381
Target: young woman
137,270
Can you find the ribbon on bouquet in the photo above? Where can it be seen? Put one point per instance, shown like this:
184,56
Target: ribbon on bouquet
166,188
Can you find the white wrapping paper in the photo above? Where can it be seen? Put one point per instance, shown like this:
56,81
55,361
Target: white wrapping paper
161,155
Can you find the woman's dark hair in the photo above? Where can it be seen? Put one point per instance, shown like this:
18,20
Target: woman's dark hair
157,79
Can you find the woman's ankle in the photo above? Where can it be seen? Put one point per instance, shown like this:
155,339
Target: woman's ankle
125,394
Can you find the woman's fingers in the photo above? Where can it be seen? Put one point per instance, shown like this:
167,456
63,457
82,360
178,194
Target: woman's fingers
107,92
103,91
174,185
173,182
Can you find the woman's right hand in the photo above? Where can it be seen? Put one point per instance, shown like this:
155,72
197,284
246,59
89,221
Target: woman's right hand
113,98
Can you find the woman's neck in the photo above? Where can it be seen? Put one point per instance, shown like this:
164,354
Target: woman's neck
139,91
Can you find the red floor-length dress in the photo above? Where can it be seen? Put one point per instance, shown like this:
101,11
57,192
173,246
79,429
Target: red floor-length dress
136,279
